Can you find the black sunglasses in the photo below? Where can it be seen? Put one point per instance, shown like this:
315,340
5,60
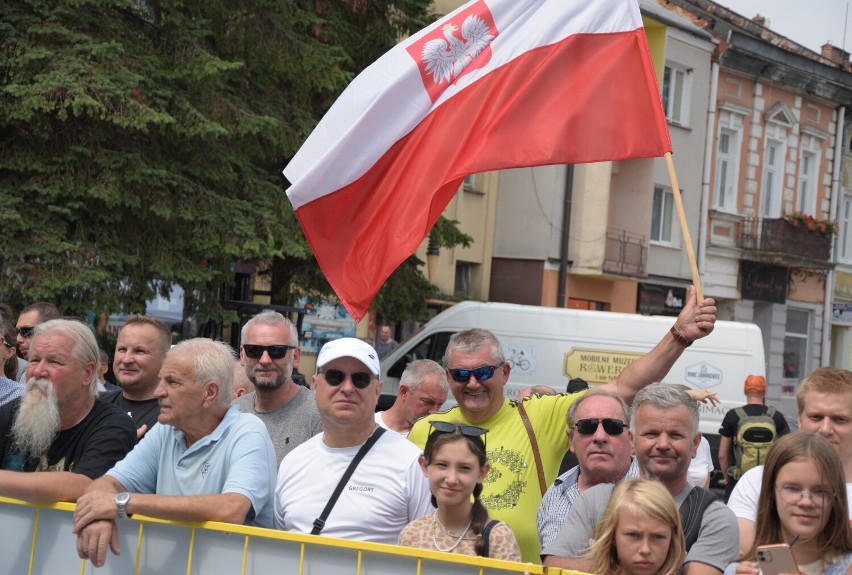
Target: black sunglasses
483,373
590,426
447,427
6,343
26,331
360,379
274,351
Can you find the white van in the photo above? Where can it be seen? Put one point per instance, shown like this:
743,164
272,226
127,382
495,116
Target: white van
549,346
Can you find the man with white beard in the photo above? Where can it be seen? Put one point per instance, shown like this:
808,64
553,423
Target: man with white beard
58,425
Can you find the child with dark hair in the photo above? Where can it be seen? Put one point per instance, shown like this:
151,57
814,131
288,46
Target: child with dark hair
455,463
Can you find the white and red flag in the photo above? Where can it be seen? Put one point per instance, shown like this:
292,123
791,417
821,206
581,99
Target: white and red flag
495,84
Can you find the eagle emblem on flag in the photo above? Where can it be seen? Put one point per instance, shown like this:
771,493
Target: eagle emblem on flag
459,45
446,58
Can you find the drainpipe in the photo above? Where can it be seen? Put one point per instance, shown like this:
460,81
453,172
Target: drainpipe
704,220
566,226
825,355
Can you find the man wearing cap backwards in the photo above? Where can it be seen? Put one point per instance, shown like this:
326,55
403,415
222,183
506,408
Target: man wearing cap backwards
755,391
387,490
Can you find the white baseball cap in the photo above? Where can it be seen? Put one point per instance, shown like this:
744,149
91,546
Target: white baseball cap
350,347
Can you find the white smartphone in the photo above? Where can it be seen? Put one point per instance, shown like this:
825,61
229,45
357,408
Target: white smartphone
776,559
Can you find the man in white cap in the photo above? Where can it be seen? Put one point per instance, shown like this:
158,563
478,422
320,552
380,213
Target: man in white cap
387,489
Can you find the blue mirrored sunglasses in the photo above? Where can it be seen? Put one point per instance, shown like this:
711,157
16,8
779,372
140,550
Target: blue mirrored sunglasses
483,373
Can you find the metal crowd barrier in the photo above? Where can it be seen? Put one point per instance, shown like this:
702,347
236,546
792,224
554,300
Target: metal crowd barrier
37,540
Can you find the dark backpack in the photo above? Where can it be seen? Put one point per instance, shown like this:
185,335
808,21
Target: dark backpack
755,435
692,512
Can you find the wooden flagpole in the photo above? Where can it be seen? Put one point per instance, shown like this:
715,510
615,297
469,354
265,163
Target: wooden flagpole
681,216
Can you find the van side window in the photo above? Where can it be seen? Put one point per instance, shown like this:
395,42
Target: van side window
431,347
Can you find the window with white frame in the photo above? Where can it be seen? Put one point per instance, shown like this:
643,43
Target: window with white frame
468,183
661,216
845,247
773,176
462,283
796,347
806,200
676,94
726,170
727,160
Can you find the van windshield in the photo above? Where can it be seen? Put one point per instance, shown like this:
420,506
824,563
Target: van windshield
432,347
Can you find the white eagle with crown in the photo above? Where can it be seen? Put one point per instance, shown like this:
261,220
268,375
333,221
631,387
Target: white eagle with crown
446,59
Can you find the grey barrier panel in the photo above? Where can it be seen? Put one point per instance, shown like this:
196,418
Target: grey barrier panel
165,549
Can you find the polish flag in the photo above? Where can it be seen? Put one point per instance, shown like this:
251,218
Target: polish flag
495,84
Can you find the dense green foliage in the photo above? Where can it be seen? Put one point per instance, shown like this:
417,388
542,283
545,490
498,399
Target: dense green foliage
145,140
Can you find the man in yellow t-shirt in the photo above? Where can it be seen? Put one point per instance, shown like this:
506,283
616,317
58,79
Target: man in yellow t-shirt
478,373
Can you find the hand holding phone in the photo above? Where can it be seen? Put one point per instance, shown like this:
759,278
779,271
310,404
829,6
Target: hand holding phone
747,568
776,559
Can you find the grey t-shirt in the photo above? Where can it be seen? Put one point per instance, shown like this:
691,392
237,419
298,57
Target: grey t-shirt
718,539
291,424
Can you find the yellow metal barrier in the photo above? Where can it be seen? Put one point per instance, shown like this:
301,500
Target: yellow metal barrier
37,539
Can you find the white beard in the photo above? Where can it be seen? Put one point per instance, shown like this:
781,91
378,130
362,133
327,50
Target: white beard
37,423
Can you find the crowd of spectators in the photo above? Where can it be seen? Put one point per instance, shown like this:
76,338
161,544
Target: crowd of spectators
199,432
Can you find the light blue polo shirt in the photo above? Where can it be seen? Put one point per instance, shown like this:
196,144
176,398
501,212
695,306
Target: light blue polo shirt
238,457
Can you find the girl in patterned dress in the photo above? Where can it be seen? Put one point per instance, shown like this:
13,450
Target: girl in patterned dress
455,463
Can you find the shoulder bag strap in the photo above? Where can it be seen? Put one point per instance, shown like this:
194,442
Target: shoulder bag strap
692,513
538,466
486,533
319,522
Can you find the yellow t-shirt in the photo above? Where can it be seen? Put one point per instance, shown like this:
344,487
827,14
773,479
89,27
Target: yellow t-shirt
511,490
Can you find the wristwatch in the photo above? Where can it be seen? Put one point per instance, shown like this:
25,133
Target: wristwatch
121,504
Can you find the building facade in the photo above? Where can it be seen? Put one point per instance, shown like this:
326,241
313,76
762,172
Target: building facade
766,256
765,170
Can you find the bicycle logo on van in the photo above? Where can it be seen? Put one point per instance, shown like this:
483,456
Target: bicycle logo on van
703,375
521,358
518,361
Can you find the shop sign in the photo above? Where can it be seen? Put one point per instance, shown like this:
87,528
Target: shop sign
655,299
763,282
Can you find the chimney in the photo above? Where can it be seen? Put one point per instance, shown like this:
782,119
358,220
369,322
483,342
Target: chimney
835,54
761,21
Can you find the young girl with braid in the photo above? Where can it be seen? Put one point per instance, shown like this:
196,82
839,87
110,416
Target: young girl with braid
455,463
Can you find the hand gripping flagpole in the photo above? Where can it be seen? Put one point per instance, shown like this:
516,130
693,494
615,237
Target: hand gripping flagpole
681,216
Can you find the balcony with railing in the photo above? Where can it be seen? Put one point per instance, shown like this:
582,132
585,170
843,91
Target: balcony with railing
779,240
625,253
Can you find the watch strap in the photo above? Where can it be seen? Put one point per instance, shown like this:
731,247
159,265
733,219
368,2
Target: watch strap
679,338
121,504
